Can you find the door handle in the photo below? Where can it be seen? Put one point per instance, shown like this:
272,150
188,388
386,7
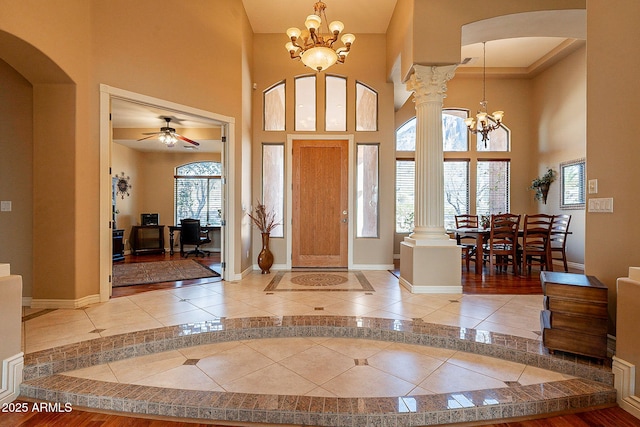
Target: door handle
345,220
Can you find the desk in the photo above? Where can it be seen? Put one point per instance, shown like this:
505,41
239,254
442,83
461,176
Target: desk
147,239
174,228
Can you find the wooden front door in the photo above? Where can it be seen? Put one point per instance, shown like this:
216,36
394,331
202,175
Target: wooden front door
320,216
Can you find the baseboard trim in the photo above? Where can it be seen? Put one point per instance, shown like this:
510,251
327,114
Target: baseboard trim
430,289
65,303
26,301
365,267
624,382
11,378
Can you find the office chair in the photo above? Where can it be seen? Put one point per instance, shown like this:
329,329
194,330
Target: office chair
191,234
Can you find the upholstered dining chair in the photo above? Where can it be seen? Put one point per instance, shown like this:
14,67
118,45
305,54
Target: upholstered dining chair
466,243
191,234
535,242
503,242
558,239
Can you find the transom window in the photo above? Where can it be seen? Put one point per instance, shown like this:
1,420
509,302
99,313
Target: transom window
198,192
336,103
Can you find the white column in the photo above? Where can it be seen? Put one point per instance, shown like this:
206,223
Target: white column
429,258
429,86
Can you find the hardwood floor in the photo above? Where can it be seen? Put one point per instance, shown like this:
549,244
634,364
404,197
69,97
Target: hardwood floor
606,417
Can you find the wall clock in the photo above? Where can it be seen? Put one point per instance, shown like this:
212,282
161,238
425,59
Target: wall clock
122,184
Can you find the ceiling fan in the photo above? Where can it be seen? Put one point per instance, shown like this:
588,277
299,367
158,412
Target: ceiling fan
168,135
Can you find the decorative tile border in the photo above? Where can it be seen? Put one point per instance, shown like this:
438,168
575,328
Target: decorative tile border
593,387
362,280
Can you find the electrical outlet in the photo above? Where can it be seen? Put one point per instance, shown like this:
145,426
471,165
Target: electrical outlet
5,206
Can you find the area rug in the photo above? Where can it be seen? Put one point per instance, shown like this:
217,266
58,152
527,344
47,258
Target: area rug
141,273
314,280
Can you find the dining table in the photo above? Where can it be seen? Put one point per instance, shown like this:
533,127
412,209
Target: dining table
482,235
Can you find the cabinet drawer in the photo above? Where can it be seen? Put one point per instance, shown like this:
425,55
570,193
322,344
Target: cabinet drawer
574,342
574,322
580,307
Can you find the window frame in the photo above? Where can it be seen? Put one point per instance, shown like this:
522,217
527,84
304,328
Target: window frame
210,216
581,186
284,105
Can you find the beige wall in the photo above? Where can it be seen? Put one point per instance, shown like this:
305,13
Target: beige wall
613,103
16,164
66,50
560,113
365,65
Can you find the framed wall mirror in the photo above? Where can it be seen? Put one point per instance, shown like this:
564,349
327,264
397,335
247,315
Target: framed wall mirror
572,184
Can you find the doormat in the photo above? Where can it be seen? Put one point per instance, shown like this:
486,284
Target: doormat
326,281
142,273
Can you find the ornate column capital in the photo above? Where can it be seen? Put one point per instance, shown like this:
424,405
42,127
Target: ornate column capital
429,83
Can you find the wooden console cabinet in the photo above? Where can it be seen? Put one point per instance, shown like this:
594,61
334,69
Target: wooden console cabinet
147,239
575,314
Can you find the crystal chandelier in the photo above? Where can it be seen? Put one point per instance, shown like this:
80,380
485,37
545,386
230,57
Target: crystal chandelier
481,123
314,49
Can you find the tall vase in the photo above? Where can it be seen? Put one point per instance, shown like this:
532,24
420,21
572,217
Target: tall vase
265,257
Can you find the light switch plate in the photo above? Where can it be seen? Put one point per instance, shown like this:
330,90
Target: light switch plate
601,205
5,206
593,186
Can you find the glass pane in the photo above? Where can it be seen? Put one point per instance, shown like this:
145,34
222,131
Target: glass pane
498,139
406,136
405,176
274,108
572,184
336,101
456,191
198,192
367,191
454,131
492,194
366,108
273,183
305,103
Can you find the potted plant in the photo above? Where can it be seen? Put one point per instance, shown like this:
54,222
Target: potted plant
541,185
265,221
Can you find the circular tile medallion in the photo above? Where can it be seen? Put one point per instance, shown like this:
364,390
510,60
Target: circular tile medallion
318,279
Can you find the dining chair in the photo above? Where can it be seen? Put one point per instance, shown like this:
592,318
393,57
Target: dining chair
558,239
191,234
535,242
467,243
503,242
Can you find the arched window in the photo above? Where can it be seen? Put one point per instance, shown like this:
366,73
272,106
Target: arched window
274,107
198,192
492,175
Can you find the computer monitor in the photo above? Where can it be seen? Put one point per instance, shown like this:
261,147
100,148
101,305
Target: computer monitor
149,219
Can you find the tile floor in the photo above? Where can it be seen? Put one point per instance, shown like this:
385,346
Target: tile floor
509,314
304,365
